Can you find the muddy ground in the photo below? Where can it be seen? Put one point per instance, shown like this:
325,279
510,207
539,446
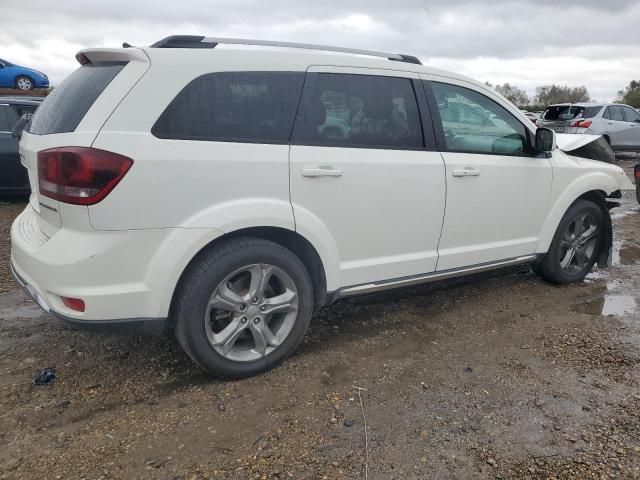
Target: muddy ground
494,376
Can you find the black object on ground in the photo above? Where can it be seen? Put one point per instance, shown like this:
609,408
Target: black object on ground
45,376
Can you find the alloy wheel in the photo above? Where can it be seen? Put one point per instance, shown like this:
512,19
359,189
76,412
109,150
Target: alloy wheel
251,312
24,84
578,244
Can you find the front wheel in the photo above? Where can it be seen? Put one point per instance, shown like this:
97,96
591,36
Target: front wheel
24,83
575,246
243,307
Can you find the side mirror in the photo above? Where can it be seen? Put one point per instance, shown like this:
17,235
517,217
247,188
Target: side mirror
545,140
18,128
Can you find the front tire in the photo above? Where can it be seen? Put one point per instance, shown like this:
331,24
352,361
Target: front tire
24,83
243,307
575,245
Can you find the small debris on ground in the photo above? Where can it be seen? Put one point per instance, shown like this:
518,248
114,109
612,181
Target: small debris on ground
45,376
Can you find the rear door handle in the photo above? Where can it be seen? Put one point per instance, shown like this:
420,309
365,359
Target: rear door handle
466,172
321,172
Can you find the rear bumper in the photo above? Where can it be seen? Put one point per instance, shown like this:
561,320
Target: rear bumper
137,325
109,271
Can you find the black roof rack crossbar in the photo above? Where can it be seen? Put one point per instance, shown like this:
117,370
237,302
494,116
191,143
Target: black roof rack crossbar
183,41
197,41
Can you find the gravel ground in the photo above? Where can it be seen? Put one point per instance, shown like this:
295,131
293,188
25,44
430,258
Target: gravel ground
497,375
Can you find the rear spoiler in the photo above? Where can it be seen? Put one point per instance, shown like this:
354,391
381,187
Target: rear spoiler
96,55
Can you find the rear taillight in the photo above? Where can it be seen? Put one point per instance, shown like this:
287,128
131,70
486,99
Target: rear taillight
582,124
637,172
80,175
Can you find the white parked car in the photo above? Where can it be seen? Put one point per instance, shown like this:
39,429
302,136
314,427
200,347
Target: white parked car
193,186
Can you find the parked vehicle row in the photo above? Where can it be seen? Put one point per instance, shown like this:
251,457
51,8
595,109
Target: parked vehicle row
618,124
230,193
22,78
13,176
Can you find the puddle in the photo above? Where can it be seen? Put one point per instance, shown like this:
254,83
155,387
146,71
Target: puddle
624,211
615,252
629,254
608,304
625,253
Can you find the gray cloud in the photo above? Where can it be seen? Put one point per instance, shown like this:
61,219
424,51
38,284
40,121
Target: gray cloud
591,42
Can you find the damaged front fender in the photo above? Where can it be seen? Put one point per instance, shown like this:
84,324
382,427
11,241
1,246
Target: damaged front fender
593,147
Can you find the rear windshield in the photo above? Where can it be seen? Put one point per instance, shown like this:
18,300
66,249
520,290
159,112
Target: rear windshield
569,112
63,110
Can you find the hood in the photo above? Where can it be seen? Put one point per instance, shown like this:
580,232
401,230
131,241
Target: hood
33,70
594,147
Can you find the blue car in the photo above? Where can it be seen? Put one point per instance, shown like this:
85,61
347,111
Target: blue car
23,78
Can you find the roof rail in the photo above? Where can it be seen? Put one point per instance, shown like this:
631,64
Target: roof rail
198,41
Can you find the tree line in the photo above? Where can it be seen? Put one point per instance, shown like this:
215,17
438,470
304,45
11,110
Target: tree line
552,94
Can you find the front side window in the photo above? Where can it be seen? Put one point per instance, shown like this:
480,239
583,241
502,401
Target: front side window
630,115
256,107
4,119
363,111
474,123
22,109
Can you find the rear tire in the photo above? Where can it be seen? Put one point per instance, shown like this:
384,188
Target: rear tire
575,245
223,307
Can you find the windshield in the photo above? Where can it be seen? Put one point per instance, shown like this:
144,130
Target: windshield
569,112
5,63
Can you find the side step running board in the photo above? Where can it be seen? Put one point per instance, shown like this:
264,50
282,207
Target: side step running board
430,277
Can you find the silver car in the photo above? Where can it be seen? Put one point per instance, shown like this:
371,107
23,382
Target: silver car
618,124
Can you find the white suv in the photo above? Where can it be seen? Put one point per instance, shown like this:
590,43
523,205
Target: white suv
201,187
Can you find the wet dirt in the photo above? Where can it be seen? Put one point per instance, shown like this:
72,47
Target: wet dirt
498,375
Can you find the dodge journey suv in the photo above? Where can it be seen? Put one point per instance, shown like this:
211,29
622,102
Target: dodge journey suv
231,192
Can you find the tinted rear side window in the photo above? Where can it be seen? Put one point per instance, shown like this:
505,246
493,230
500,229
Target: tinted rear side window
590,112
256,107
344,110
63,110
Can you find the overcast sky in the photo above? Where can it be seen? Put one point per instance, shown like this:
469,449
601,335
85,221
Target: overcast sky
528,43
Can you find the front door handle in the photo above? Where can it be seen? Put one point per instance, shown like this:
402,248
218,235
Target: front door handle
466,172
321,172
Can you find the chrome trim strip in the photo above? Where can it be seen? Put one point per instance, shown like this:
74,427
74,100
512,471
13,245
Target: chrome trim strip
430,277
306,46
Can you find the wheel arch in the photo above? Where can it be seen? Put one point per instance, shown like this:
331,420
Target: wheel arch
19,75
289,239
594,192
